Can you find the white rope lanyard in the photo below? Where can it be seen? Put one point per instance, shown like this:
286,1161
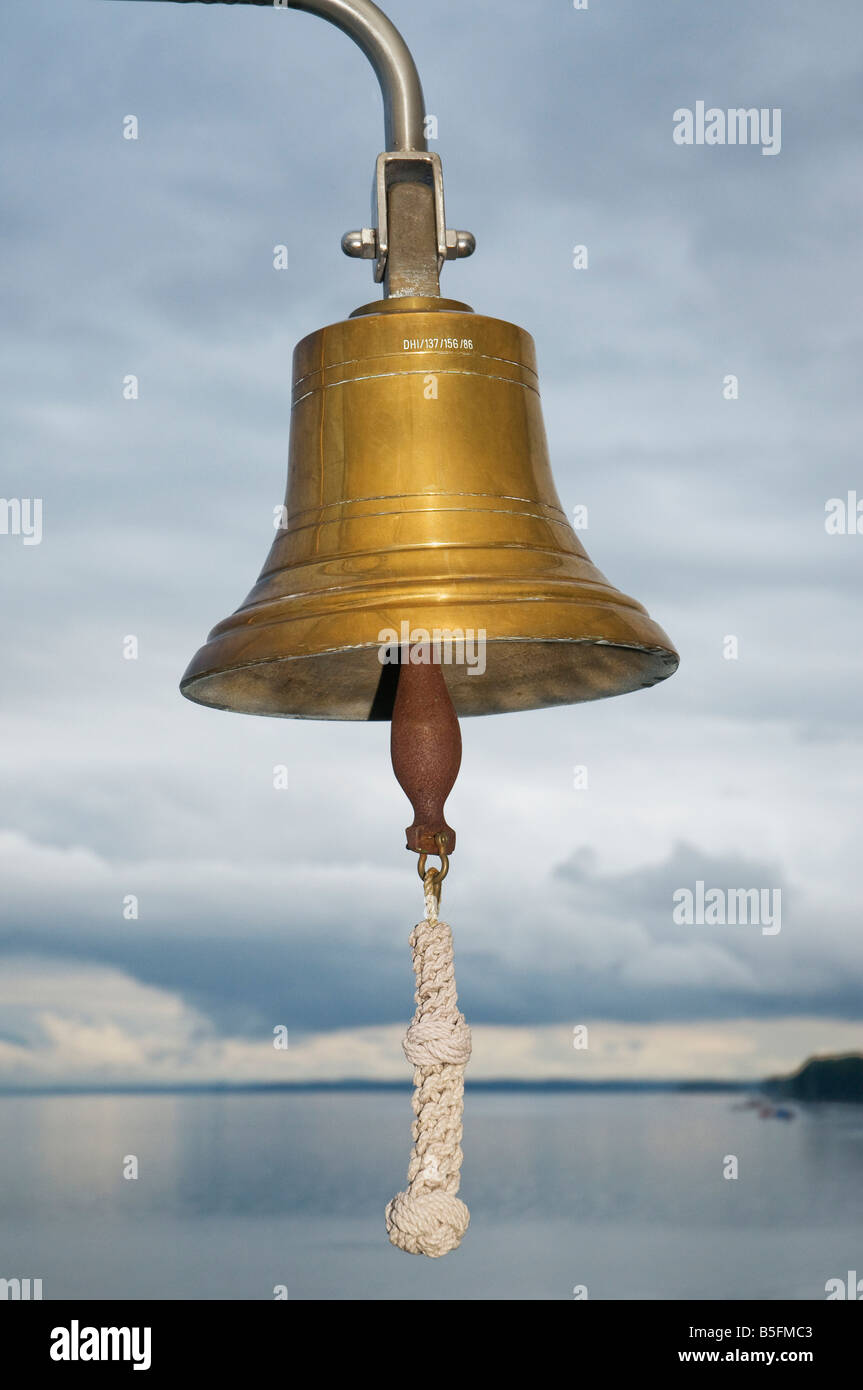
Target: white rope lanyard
428,1218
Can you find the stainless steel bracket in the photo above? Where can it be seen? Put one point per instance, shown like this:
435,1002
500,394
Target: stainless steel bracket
405,166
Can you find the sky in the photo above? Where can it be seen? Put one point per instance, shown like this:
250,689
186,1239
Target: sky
262,907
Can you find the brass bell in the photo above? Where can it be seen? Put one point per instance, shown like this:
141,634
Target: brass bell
420,503
424,569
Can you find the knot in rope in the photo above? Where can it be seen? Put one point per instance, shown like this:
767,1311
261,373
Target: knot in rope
427,1223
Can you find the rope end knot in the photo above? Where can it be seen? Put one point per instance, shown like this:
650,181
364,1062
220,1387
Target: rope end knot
427,1223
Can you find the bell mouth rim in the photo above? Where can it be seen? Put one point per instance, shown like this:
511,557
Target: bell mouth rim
660,662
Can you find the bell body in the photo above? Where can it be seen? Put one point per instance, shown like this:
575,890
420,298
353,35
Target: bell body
421,507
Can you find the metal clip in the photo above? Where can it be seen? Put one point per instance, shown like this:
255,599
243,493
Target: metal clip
441,873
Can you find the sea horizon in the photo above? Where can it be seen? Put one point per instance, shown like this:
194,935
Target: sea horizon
350,1084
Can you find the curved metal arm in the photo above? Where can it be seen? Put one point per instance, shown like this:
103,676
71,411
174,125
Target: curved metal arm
389,55
386,50
411,241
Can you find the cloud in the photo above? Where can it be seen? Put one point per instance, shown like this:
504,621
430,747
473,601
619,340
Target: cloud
95,1026
314,946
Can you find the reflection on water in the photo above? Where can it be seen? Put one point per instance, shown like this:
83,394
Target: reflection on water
237,1193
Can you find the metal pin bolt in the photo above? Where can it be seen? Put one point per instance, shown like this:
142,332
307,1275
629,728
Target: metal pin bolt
459,245
362,245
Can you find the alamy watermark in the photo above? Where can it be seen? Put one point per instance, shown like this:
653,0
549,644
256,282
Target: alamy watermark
843,516
737,126
849,1289
77,1343
20,1289
22,516
719,907
418,646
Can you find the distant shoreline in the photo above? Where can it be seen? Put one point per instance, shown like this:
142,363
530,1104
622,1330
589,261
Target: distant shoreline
828,1078
551,1087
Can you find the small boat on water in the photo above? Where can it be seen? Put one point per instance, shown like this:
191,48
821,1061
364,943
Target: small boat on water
766,1108
776,1112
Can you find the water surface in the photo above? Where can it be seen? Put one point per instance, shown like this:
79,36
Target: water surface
238,1193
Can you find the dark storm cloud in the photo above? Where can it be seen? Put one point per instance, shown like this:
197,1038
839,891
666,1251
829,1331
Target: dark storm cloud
605,946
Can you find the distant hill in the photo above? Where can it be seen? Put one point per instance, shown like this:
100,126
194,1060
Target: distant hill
822,1078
